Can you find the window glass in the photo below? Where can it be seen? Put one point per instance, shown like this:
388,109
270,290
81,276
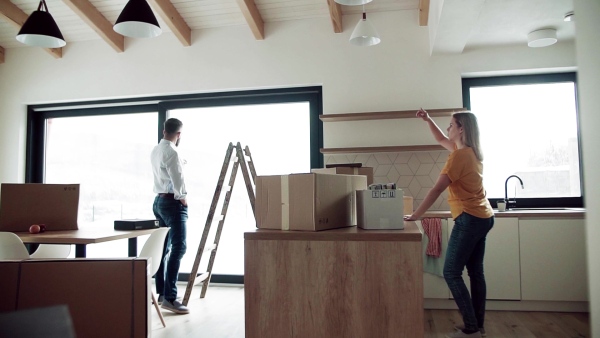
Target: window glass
278,136
529,130
109,156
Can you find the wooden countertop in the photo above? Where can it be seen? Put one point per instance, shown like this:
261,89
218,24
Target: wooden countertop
410,233
572,213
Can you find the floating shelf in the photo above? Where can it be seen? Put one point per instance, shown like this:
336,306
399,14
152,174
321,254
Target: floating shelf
386,115
385,149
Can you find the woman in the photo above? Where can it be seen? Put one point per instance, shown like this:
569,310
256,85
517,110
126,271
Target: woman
472,214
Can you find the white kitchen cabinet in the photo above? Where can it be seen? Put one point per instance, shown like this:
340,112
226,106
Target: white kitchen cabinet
434,286
501,262
553,259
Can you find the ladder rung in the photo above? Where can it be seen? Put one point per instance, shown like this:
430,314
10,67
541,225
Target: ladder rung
201,278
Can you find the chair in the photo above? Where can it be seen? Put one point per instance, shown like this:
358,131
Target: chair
52,251
49,322
153,248
12,247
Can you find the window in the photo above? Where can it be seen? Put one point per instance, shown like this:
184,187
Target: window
529,128
105,146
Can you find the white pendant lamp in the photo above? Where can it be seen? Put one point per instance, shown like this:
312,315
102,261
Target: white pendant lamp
353,2
365,33
542,38
40,29
137,21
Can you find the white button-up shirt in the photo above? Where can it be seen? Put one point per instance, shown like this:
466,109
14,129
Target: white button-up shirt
167,167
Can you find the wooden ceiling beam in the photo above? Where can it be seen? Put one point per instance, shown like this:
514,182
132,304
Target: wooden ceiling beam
335,12
174,20
90,15
1,54
253,18
15,16
423,12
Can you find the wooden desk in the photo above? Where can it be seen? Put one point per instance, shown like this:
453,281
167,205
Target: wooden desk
347,282
89,234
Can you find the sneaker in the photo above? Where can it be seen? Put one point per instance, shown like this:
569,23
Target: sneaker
175,306
460,334
462,327
160,300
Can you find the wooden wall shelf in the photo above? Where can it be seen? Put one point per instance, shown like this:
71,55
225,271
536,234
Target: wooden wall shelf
385,149
386,115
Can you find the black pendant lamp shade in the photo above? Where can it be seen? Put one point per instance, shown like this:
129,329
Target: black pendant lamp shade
137,21
40,30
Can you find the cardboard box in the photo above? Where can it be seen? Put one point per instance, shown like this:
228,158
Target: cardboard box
106,297
308,202
367,171
24,204
382,209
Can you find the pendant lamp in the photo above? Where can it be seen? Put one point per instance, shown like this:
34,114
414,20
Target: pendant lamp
365,33
40,29
137,21
353,2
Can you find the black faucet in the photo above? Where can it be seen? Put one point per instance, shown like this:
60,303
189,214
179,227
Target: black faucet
514,202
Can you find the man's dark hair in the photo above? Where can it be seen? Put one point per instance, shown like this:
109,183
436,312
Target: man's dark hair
173,125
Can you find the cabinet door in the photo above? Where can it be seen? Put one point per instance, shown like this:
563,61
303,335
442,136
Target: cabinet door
553,259
501,262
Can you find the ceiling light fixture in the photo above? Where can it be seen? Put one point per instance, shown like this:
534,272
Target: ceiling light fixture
353,2
365,33
40,29
137,21
570,16
542,38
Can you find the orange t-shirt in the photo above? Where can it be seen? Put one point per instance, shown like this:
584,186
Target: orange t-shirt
466,193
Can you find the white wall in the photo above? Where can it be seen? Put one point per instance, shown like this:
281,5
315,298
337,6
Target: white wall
398,74
588,49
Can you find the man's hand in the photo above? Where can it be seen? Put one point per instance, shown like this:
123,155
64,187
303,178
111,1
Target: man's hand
184,202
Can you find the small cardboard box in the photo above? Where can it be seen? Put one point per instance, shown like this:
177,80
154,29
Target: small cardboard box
381,209
24,204
308,202
367,171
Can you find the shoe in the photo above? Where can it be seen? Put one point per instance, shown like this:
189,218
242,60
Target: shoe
175,306
160,300
462,327
460,334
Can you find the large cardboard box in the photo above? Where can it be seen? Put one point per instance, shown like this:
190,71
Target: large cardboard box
367,171
308,202
24,204
382,209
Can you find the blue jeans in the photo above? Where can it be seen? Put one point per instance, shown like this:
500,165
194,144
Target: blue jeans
466,247
172,214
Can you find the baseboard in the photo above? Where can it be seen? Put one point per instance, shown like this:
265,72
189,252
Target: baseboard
517,305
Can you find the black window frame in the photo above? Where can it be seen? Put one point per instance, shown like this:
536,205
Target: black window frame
37,115
523,202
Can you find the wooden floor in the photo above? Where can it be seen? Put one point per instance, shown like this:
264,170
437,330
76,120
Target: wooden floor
221,315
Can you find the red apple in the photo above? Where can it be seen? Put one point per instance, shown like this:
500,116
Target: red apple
34,229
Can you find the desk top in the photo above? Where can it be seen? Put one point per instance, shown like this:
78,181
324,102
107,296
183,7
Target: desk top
88,234
410,233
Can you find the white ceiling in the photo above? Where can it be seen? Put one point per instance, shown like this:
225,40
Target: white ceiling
457,26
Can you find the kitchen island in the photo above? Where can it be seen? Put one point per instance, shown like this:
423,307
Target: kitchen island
345,282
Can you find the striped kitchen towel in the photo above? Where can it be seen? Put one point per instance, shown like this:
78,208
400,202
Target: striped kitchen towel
433,229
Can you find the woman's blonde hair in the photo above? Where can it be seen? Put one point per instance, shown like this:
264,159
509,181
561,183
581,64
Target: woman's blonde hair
470,135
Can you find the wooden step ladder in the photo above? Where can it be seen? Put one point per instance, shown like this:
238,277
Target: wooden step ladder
196,278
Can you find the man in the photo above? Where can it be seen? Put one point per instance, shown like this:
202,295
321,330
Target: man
170,209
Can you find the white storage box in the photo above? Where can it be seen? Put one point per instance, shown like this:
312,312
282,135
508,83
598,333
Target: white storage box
380,209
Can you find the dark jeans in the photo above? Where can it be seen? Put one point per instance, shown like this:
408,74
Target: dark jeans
172,214
466,247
